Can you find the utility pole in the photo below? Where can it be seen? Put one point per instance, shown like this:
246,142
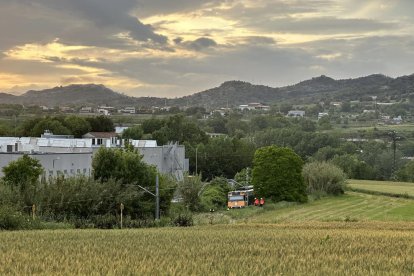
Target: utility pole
394,138
156,195
157,198
247,176
196,159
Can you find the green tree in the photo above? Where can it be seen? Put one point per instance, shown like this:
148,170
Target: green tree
325,123
217,123
215,194
190,190
243,177
180,129
122,165
134,133
221,156
277,174
346,107
101,124
406,173
22,172
151,125
54,125
127,168
23,176
324,178
78,126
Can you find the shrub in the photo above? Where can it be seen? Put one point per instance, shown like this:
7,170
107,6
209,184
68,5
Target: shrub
324,177
11,219
184,220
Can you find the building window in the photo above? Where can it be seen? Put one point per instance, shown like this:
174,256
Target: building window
78,171
84,171
65,171
50,173
72,171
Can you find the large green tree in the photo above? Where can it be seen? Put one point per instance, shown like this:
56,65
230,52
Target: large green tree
221,156
22,172
101,124
127,168
134,132
277,174
22,176
180,129
124,165
78,126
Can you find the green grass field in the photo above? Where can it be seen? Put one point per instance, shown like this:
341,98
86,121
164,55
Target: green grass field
350,207
396,188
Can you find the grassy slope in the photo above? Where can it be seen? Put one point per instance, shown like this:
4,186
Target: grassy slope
352,206
399,188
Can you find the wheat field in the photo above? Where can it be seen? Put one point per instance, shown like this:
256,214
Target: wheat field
305,248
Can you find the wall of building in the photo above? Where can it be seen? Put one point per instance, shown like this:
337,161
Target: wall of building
69,164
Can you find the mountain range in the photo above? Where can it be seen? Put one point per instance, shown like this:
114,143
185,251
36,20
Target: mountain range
230,93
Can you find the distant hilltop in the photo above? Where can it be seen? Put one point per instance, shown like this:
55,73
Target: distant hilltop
230,93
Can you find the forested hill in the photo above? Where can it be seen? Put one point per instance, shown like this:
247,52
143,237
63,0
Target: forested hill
229,93
310,91
76,94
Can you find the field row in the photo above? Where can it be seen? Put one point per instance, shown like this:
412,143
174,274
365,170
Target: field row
311,249
352,206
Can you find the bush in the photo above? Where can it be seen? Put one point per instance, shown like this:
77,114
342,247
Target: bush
10,219
184,220
324,178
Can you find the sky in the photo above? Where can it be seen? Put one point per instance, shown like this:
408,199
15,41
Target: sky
171,48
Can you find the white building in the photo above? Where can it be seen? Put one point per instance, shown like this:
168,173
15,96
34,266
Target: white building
71,157
254,106
57,156
86,109
54,164
322,114
128,110
296,113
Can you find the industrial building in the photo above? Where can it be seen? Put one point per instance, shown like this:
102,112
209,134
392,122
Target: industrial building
69,156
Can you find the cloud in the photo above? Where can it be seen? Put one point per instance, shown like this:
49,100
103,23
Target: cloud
322,25
178,47
84,22
200,43
160,7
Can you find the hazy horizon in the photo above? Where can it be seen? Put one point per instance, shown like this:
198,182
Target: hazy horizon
176,48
